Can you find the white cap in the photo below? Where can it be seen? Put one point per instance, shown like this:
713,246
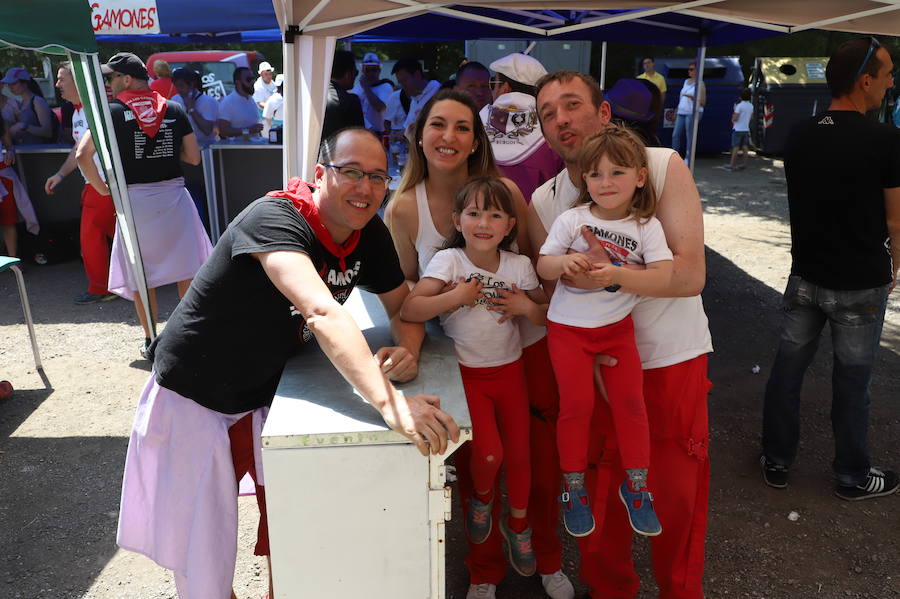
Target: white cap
519,67
279,79
265,66
371,59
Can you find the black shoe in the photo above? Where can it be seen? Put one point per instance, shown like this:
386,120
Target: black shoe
775,475
877,484
145,348
90,298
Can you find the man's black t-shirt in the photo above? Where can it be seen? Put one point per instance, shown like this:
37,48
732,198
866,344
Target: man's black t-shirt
342,109
227,341
837,165
150,159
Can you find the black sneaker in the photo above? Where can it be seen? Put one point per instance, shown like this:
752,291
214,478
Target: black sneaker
145,348
775,475
90,298
877,484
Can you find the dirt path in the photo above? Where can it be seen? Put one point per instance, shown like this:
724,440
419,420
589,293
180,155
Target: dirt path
62,444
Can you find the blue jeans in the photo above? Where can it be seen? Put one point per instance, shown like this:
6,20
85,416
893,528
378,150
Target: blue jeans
856,318
682,134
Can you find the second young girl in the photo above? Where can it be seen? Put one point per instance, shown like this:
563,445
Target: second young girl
489,350
617,205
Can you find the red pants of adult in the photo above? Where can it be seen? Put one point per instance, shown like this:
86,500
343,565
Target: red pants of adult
485,561
675,397
498,407
98,226
573,351
241,436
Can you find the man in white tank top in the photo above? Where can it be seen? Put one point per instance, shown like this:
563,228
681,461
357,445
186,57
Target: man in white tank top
673,340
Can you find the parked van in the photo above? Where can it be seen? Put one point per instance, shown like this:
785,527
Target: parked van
215,66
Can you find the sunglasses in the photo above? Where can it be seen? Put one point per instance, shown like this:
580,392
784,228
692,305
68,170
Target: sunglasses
873,47
112,76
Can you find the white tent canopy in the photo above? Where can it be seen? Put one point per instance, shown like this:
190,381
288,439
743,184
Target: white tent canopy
312,27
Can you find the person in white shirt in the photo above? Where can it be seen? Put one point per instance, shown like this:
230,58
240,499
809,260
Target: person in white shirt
273,111
672,338
740,135
265,85
373,93
202,110
238,114
411,78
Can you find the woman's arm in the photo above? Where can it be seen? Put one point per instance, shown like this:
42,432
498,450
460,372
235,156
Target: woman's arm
401,218
44,114
426,301
522,240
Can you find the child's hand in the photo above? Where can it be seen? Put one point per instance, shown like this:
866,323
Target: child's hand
575,264
511,303
605,274
467,292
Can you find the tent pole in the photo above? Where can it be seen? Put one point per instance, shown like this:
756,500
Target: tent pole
603,66
695,125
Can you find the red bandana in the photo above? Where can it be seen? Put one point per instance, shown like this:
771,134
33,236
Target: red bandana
300,194
148,108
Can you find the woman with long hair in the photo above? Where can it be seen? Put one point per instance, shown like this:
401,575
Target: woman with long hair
35,124
449,148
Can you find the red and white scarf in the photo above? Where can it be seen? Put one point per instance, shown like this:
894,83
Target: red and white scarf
300,194
148,107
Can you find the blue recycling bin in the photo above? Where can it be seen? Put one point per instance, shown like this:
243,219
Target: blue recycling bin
723,79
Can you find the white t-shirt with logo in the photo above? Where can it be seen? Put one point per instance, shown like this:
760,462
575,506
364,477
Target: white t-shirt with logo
744,110
626,241
481,340
667,330
240,112
79,128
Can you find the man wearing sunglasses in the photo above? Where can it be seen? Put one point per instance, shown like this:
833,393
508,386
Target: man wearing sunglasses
276,278
238,114
843,178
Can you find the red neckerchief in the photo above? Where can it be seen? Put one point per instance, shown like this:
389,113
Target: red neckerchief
300,194
148,107
76,106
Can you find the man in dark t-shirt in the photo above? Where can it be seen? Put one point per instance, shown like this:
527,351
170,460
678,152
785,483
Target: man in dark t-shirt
342,108
278,276
843,178
153,136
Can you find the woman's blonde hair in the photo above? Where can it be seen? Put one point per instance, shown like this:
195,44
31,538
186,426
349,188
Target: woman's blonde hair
624,148
162,69
481,161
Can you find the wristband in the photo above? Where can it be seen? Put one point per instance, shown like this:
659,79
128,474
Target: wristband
613,288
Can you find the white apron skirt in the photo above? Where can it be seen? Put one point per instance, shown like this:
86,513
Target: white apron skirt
179,493
173,242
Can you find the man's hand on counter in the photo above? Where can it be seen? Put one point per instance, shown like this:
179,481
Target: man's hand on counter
397,363
420,419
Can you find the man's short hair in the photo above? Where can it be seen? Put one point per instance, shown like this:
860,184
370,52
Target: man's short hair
516,86
186,75
566,76
66,64
469,66
344,62
745,94
329,145
409,64
845,62
239,73
650,58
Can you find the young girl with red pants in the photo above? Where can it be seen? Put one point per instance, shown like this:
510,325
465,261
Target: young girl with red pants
489,350
617,204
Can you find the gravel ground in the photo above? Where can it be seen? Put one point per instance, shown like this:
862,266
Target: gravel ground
63,437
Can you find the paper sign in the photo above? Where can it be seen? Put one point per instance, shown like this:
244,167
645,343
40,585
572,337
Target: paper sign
124,17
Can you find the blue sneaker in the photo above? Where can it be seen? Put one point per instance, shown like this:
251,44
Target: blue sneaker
639,505
519,550
577,516
478,521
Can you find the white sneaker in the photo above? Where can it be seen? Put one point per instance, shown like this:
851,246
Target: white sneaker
558,585
483,591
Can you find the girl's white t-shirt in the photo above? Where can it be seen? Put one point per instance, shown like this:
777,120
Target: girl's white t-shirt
481,341
627,241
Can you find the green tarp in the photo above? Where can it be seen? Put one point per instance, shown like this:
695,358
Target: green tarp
49,26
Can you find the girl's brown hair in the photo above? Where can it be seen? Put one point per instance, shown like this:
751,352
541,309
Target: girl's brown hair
480,162
493,194
624,148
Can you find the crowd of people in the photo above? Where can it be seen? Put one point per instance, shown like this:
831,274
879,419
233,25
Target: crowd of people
561,249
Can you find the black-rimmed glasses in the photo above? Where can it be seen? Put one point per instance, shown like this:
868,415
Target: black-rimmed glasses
355,174
873,47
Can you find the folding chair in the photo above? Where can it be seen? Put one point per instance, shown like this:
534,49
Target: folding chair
10,263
